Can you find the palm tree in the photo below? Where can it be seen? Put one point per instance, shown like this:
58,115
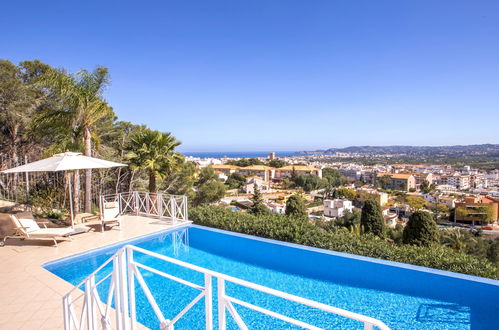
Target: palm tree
154,152
82,107
456,240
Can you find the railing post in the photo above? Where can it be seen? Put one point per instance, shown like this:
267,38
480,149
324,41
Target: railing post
148,206
117,294
173,212
186,217
208,300
221,303
368,326
120,290
89,287
120,203
159,204
123,288
67,313
136,203
131,290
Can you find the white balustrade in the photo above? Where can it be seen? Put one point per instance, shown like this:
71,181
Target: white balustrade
95,314
162,206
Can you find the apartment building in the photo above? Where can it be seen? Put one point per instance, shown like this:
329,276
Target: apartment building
267,173
224,168
351,173
421,177
398,181
264,172
461,182
479,209
287,171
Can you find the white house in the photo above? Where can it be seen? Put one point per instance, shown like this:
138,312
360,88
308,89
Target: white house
278,208
337,207
390,217
223,176
263,186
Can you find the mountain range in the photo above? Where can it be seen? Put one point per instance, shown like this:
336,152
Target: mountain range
489,150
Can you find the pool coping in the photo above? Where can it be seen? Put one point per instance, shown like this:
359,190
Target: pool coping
435,271
390,263
124,242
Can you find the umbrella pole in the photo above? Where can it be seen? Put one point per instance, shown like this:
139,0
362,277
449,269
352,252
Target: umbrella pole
71,200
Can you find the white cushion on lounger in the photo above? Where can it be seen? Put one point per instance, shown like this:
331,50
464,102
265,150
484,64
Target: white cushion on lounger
29,224
50,232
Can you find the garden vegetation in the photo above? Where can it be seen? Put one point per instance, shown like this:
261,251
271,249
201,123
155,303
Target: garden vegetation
299,230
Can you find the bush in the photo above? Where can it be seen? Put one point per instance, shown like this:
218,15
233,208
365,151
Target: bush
421,229
300,231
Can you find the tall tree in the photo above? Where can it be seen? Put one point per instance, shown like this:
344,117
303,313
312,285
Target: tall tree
154,152
421,229
82,108
20,97
371,218
258,207
182,180
295,206
333,177
209,188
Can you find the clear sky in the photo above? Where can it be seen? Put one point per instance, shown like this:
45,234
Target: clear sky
280,74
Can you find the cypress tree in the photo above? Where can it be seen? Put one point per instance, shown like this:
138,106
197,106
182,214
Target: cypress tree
371,219
335,194
421,229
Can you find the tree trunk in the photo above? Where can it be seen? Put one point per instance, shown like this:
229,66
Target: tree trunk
14,155
14,132
88,173
130,182
76,191
152,182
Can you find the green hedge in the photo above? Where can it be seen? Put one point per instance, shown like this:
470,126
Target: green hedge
300,231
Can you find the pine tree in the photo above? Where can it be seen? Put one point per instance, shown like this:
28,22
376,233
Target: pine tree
371,219
295,206
258,207
421,229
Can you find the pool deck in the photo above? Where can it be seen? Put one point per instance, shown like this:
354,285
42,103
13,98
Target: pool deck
30,296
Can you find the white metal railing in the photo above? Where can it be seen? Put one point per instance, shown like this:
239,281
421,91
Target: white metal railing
163,206
125,270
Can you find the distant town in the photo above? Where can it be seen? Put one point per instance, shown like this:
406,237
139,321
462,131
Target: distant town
457,195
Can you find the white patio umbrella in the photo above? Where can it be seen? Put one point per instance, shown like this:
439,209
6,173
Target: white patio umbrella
67,161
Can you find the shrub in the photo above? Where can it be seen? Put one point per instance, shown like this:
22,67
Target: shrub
300,231
371,218
421,229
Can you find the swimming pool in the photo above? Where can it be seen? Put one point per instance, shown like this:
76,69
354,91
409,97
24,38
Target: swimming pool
402,296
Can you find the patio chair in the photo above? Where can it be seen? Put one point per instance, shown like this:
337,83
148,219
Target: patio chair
110,214
26,228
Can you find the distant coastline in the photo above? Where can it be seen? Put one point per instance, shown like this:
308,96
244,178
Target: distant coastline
239,154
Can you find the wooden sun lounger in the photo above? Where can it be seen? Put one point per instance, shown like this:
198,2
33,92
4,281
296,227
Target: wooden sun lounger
29,229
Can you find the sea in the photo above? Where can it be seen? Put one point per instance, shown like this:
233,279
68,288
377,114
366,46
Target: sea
239,154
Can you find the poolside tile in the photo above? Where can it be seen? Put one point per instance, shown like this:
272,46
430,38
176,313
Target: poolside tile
30,296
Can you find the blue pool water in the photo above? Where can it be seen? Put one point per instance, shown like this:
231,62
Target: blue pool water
402,296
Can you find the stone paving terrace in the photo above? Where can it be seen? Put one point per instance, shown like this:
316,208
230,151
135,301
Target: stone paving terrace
30,296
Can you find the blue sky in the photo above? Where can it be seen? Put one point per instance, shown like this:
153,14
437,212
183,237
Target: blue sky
280,75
